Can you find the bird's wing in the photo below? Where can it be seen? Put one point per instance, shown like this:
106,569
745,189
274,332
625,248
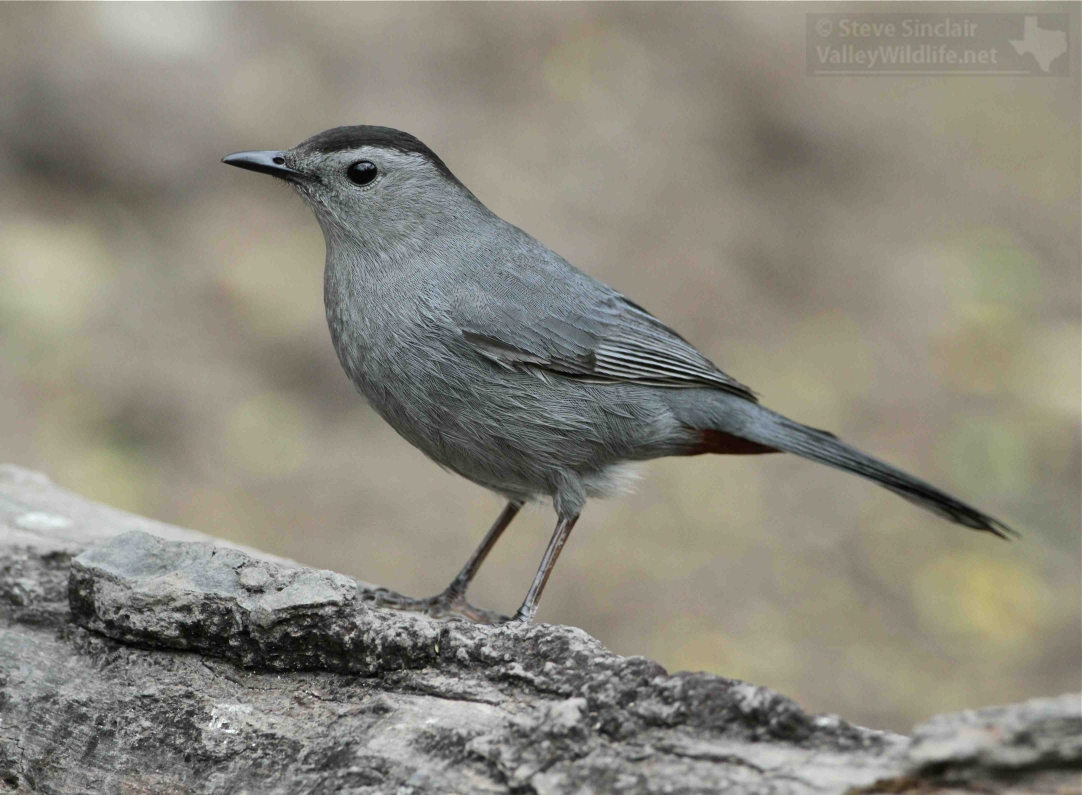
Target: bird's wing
608,340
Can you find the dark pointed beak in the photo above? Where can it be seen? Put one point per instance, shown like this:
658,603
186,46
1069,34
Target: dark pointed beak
268,162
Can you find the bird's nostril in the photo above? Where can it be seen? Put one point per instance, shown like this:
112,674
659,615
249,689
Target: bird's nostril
279,160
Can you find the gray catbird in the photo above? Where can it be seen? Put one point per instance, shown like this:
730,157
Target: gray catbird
506,364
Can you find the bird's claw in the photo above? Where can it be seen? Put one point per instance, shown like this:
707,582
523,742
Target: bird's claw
448,604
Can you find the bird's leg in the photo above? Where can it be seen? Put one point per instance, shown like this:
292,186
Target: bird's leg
453,598
526,613
456,591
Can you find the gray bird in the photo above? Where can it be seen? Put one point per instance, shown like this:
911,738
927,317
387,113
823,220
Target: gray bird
503,362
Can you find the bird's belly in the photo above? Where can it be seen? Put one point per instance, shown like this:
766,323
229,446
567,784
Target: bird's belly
512,432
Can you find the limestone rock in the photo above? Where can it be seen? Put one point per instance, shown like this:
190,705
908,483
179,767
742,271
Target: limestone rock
141,658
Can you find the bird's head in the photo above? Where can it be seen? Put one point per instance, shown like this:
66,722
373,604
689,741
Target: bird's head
372,184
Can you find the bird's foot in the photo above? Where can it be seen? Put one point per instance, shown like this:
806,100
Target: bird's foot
448,604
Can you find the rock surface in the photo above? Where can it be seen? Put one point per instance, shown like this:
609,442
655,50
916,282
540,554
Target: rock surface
138,657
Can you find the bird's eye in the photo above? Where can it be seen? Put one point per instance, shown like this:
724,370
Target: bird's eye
362,172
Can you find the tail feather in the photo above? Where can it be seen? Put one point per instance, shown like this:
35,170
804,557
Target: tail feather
761,425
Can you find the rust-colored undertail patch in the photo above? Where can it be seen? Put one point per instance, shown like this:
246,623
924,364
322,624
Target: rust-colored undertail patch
722,443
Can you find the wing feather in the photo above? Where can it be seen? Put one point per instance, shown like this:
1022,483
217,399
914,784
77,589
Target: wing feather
621,344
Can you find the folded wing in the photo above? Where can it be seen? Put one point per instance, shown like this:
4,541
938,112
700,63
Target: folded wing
611,341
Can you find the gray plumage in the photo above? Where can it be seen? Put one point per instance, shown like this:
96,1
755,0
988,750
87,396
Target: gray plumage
505,363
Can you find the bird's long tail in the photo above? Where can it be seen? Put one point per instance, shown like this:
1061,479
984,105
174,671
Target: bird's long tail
759,424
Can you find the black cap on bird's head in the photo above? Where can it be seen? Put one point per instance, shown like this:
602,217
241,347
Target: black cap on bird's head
359,135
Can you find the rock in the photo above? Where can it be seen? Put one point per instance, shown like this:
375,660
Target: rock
1033,747
1041,732
138,657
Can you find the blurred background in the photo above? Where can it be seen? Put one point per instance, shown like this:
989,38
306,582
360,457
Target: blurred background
892,258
